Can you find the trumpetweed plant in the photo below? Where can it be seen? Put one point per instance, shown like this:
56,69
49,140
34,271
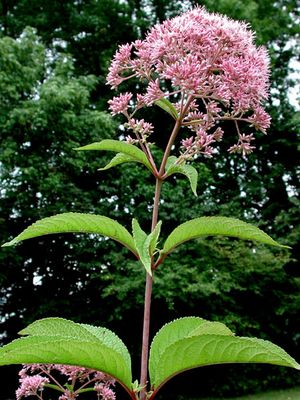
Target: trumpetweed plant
201,69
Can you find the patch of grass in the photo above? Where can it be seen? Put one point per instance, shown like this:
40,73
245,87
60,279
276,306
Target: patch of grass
288,394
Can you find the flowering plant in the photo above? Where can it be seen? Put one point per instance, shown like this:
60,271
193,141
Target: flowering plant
200,69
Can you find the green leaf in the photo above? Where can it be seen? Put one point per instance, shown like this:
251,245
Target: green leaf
213,226
119,158
119,147
77,223
192,342
141,242
59,341
167,106
187,170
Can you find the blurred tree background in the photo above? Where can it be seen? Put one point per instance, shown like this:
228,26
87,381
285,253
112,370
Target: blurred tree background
54,58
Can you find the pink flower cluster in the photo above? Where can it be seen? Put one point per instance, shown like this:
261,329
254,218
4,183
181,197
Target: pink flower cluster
35,377
208,66
30,385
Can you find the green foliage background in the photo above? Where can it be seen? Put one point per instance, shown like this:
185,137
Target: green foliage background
53,61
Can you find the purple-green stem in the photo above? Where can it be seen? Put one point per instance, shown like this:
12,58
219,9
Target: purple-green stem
149,279
147,303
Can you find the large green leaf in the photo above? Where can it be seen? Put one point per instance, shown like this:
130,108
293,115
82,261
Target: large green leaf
192,342
119,147
213,226
184,169
77,223
59,341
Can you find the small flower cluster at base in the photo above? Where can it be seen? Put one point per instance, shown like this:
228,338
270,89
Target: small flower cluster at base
141,128
120,104
34,378
104,391
30,386
200,143
243,146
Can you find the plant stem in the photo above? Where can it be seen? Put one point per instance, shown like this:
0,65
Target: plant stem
149,278
174,133
147,303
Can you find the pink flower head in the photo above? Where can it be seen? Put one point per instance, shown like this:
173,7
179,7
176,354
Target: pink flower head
30,385
243,146
119,104
140,126
104,392
206,64
260,119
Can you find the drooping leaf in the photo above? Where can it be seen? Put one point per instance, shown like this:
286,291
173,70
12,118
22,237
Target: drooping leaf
119,147
167,106
59,341
214,226
142,245
119,158
77,223
181,345
185,169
